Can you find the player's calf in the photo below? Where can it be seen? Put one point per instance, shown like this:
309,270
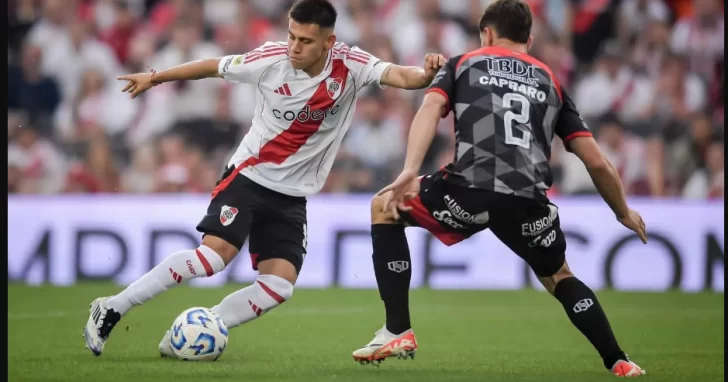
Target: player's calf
172,271
267,292
586,313
391,258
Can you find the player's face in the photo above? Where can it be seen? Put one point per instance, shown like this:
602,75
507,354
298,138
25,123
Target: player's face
308,44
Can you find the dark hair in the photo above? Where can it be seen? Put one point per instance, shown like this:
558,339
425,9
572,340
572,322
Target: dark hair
511,19
319,12
610,118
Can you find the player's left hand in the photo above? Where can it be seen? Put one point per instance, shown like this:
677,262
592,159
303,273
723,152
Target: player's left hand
137,83
433,63
634,221
404,188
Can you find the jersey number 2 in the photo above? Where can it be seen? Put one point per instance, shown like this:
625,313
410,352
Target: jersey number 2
522,118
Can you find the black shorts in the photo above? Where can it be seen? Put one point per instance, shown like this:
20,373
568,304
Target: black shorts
452,213
275,222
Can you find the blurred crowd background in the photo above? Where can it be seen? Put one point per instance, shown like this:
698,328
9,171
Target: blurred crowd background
647,75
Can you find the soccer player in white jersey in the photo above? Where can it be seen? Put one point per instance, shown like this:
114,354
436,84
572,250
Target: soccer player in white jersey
305,102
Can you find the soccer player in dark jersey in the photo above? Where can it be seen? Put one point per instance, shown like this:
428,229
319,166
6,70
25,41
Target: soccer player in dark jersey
507,107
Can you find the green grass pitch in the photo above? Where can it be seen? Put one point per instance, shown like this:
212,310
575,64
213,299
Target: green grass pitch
517,336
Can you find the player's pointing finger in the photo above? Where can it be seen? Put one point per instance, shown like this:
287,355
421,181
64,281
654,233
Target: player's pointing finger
643,236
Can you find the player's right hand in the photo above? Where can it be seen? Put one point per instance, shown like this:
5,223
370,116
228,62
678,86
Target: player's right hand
634,221
137,83
404,188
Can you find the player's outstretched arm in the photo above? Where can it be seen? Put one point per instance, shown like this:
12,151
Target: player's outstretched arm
578,139
607,181
413,77
423,129
140,82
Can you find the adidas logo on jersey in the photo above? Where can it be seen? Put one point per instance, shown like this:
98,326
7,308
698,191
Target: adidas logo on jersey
283,90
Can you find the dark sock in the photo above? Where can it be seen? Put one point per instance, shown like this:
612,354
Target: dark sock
391,260
587,315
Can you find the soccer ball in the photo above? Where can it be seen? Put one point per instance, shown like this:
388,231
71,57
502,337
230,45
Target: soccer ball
198,334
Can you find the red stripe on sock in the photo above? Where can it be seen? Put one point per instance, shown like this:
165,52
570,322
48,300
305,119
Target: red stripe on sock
205,263
272,293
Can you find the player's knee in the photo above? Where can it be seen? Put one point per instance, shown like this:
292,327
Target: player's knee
210,260
550,282
379,216
221,247
277,288
280,268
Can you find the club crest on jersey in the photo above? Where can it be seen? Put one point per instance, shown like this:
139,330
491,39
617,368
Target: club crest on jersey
333,87
227,215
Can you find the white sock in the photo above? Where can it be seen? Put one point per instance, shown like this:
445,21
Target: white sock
177,267
267,292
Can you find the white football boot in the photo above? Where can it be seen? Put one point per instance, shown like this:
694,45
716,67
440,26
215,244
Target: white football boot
385,345
101,322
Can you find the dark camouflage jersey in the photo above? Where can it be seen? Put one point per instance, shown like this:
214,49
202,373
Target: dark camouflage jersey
507,107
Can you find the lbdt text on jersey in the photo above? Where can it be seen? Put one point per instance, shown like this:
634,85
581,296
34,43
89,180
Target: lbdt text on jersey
508,72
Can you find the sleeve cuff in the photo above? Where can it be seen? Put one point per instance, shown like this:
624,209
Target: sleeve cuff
577,135
377,72
224,64
447,100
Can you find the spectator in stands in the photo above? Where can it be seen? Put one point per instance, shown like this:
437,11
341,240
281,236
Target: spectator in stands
52,28
678,94
701,38
708,182
118,36
613,87
74,53
591,24
41,164
97,173
651,48
172,178
30,90
17,161
194,99
140,176
635,14
97,109
688,153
